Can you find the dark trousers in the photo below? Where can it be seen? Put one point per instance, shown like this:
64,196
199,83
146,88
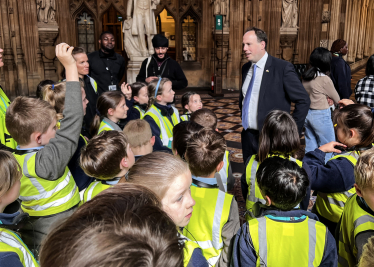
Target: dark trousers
249,143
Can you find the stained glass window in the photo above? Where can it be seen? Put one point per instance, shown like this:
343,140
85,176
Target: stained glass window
86,32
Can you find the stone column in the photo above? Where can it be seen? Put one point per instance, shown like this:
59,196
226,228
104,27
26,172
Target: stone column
221,58
368,51
10,68
362,31
133,68
20,56
354,29
287,39
47,35
334,21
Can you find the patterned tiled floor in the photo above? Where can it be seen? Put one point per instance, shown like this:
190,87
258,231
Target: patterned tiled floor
229,124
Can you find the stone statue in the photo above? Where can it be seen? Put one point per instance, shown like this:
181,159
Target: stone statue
131,41
46,10
222,7
143,23
289,14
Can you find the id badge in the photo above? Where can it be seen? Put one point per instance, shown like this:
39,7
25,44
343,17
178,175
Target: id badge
112,87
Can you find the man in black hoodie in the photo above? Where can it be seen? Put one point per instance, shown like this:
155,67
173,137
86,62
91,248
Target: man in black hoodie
160,64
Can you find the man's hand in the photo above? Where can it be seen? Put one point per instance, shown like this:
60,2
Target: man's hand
345,102
330,101
150,79
126,90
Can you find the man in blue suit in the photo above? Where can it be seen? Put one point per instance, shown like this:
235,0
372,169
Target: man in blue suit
269,83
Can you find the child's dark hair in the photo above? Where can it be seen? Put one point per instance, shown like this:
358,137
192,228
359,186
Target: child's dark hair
319,60
205,151
135,88
359,117
370,66
283,181
182,133
205,117
122,226
186,99
39,88
106,101
152,90
279,134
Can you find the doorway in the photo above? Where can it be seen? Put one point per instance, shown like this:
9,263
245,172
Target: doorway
112,22
165,23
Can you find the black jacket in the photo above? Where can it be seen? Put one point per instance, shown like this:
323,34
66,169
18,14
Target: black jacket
169,69
92,97
98,63
341,77
279,87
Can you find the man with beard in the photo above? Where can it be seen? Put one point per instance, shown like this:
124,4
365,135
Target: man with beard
106,66
161,65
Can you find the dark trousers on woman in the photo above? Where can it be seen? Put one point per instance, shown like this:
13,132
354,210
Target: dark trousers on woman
249,143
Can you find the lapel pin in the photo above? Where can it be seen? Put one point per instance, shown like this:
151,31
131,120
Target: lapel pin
267,70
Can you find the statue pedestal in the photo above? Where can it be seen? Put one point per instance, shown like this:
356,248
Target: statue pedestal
287,39
47,35
133,68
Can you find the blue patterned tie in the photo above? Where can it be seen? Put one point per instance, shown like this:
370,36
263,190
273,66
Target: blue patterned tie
247,99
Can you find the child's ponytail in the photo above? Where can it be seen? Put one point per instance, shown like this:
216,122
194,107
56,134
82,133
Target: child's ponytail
152,88
106,101
54,94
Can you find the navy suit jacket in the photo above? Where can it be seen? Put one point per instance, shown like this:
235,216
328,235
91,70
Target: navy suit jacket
279,87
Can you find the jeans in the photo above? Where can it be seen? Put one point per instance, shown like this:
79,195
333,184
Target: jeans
318,130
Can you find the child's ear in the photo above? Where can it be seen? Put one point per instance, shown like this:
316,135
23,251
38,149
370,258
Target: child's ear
268,201
186,107
110,111
136,98
159,97
220,166
37,137
153,140
358,190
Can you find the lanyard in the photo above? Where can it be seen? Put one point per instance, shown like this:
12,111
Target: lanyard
110,72
165,122
5,104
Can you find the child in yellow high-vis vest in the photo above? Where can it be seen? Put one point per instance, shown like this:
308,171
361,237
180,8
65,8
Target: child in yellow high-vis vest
334,181
107,157
161,115
138,100
48,190
216,219
13,252
208,119
54,94
139,135
110,109
356,225
122,226
169,177
278,137
281,235
191,102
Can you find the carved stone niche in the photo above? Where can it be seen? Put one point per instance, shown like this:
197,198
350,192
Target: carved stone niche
326,16
47,36
287,39
324,43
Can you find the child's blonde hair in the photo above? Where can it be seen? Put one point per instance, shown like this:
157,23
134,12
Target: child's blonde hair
364,170
156,171
102,156
367,257
106,101
25,116
138,132
10,171
152,86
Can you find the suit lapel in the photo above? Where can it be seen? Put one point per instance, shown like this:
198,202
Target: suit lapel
266,80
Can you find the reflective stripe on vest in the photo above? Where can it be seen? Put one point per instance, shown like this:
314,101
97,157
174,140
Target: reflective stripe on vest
104,127
210,214
142,113
185,117
93,84
166,131
354,221
41,197
331,205
268,236
224,172
5,137
11,242
254,193
94,189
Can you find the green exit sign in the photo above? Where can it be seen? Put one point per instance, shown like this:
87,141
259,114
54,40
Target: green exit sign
219,22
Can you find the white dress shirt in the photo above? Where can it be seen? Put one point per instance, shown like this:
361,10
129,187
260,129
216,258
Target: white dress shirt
253,103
